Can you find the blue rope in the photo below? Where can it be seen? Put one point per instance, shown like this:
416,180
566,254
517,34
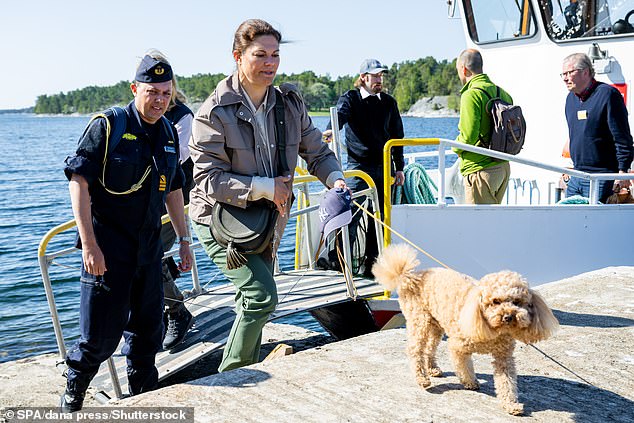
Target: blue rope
419,188
575,199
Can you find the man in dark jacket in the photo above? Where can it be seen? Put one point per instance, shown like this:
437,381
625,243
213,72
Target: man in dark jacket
371,118
600,137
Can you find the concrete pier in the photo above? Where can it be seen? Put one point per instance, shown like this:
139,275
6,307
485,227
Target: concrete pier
585,373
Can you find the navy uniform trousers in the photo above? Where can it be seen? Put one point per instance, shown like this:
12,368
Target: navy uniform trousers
126,299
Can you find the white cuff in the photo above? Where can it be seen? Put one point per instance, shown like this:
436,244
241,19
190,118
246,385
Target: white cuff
262,187
330,181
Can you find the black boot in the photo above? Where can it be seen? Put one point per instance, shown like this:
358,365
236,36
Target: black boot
177,326
76,386
142,380
71,401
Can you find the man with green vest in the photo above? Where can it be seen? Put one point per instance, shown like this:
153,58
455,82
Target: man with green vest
485,178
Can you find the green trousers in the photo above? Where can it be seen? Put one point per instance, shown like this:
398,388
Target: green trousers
256,299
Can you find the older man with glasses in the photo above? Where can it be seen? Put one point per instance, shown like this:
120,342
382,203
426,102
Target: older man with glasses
598,129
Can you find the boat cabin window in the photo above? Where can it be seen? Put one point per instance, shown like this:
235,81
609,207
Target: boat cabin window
499,20
574,19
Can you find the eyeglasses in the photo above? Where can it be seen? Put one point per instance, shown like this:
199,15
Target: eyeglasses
568,73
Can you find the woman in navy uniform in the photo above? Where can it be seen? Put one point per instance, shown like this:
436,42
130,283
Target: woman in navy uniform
178,319
117,204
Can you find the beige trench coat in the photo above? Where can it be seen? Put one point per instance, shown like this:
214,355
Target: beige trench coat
224,152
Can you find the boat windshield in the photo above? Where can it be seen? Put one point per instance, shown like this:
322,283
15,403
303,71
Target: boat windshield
499,20
574,19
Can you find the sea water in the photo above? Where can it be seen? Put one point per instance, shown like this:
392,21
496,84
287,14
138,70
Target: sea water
34,199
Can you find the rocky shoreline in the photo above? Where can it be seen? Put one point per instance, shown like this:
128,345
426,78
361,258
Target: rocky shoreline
426,107
432,107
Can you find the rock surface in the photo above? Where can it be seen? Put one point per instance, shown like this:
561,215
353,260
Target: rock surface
585,373
432,107
38,382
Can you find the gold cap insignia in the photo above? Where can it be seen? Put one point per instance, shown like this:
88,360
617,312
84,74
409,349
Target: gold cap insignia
159,70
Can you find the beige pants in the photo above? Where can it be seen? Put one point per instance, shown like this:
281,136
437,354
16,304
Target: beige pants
487,186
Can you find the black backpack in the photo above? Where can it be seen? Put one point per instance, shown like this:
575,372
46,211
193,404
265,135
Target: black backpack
508,129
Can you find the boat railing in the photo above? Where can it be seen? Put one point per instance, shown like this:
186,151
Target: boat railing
444,144
412,157
46,259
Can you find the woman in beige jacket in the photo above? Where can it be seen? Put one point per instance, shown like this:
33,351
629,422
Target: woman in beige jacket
235,157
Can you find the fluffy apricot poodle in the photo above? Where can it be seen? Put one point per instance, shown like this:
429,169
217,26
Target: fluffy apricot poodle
483,317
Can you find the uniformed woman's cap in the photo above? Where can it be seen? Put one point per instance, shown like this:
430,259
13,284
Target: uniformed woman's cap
152,70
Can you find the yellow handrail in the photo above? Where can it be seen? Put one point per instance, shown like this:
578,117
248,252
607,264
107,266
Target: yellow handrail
387,176
41,251
347,173
302,202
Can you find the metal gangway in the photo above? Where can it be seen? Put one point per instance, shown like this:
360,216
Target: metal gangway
302,289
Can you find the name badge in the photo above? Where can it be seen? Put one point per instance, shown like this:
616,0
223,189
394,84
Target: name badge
170,149
582,115
162,183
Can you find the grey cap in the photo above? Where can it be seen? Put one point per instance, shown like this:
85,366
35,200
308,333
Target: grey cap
335,210
372,66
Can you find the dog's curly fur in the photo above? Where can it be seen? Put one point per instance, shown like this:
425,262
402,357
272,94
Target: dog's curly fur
484,317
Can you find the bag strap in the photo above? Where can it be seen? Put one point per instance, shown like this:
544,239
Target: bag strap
481,141
489,98
280,134
119,124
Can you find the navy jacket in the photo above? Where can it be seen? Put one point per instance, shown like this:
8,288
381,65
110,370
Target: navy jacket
600,138
370,123
127,227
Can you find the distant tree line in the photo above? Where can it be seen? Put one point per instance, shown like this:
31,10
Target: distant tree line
23,110
407,82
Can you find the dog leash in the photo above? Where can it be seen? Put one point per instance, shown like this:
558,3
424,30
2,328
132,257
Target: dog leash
447,267
400,236
561,365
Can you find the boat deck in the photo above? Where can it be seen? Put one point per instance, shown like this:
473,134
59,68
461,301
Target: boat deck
213,311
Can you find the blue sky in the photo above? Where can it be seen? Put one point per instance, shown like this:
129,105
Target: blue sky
50,47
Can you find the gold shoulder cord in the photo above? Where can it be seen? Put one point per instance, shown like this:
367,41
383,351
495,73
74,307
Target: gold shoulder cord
134,187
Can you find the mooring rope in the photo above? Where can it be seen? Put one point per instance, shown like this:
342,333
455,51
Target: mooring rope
418,188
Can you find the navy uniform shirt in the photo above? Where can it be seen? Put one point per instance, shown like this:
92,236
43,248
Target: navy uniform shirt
127,227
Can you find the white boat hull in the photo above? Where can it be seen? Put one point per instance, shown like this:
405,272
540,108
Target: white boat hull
543,243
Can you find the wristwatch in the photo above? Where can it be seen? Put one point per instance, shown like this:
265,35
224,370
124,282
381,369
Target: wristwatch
187,239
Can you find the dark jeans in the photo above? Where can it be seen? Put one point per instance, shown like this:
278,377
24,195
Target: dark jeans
578,186
126,301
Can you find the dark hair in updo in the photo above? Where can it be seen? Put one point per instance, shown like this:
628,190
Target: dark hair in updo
249,30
